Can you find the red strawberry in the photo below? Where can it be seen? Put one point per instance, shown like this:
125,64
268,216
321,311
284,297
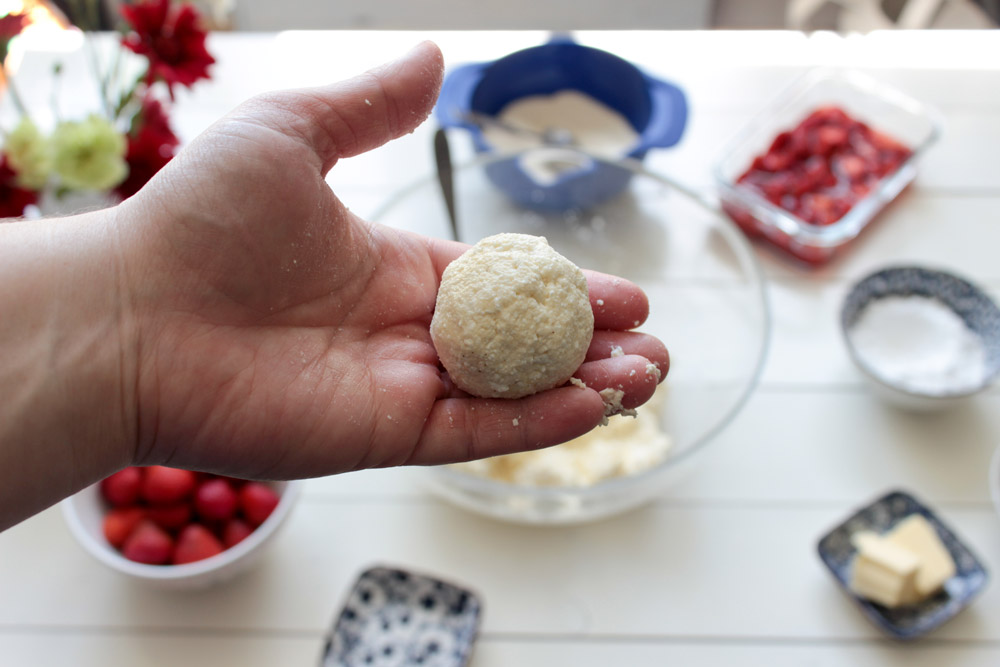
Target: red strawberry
120,522
196,543
216,500
166,486
257,501
235,531
149,544
122,488
171,517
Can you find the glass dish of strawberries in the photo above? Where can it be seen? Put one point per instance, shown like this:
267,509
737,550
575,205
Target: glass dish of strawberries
813,170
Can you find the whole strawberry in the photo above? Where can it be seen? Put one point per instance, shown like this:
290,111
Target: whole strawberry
196,542
148,543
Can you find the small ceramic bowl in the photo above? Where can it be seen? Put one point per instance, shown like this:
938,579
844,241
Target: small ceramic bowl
397,617
84,513
837,551
979,313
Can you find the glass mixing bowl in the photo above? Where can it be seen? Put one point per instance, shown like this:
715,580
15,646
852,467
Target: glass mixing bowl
707,303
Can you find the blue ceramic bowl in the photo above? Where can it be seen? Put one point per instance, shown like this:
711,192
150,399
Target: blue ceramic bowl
656,109
836,551
980,314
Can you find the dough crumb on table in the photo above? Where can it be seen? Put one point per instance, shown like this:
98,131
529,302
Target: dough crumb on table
512,318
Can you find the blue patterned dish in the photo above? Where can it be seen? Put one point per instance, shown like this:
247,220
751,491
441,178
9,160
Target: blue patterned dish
836,551
394,618
980,314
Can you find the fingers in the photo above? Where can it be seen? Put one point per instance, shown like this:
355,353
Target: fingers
629,374
618,303
462,429
362,113
605,343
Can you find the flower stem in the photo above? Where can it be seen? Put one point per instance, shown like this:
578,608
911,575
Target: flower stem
96,67
15,97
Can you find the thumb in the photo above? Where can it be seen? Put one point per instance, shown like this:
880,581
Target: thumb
354,116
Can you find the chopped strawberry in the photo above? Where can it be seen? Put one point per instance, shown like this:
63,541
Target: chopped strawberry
148,543
196,542
166,486
122,488
235,531
257,501
216,500
120,522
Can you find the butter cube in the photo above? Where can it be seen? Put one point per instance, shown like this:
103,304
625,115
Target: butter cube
916,534
884,572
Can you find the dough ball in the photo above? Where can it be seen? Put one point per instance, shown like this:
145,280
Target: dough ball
513,317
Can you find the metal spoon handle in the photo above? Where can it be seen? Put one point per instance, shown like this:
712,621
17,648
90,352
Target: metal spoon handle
442,159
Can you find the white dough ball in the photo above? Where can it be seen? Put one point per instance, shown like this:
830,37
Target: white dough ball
513,317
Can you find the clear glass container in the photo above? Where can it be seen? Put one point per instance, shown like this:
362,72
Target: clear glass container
707,303
883,108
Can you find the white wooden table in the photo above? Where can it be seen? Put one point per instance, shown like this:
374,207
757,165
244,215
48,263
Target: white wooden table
722,569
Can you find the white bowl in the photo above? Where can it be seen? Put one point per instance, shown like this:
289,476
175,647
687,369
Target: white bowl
969,302
85,511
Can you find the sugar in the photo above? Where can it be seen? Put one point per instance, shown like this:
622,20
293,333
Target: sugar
918,343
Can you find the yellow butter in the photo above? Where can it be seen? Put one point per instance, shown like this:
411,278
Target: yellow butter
916,534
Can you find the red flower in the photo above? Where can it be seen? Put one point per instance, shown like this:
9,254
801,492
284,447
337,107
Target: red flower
13,198
151,145
174,42
11,26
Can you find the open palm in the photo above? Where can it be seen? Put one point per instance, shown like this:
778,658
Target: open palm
281,336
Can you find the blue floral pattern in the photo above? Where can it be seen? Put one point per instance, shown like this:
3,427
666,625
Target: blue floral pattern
394,618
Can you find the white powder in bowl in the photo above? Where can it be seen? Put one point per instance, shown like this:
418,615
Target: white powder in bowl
919,344
595,127
626,446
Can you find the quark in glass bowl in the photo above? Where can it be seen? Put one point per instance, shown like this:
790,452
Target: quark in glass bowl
707,303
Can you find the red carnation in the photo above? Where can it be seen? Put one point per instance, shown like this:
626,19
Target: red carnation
151,145
174,42
11,26
13,198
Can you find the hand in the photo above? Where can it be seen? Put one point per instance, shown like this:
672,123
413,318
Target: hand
235,317
282,336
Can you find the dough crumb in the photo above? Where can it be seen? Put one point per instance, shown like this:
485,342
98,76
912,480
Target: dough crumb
651,369
578,382
613,404
514,421
368,102
600,302
617,351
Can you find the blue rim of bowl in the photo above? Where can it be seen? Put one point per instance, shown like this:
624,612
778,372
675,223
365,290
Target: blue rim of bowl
849,314
739,239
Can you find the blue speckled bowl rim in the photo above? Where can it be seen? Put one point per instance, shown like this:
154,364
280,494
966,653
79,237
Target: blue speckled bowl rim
405,589
970,302
969,581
